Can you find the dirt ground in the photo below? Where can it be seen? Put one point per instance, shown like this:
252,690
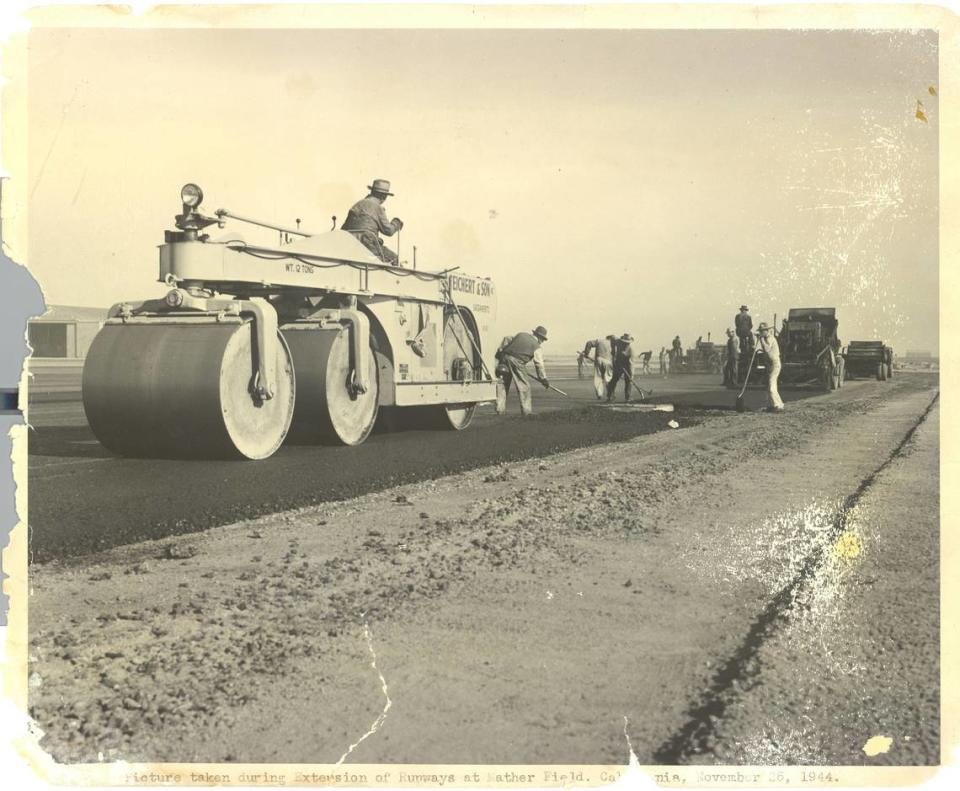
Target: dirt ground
752,589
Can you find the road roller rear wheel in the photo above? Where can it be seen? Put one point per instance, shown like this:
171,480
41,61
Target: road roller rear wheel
184,391
328,408
457,416
430,417
460,363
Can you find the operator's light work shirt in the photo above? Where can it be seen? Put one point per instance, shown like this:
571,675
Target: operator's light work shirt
369,215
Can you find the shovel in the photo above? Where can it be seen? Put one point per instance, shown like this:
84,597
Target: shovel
746,381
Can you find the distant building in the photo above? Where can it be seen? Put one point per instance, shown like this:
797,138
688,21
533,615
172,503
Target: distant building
64,332
915,356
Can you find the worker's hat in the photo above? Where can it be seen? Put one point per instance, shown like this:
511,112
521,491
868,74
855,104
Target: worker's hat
626,337
541,332
763,326
381,186
742,307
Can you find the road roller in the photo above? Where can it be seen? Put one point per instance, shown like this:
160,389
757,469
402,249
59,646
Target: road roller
307,341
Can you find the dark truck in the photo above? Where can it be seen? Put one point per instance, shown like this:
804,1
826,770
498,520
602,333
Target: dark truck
868,358
809,351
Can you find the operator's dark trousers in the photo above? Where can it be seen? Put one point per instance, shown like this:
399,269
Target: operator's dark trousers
375,245
623,370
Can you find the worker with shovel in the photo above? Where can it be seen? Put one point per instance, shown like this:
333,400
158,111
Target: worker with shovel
602,360
622,366
771,348
512,358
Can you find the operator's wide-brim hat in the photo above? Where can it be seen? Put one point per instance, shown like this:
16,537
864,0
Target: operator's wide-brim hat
380,185
763,326
626,337
541,331
742,307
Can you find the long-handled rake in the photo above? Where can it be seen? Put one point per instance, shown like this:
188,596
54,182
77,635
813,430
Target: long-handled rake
644,394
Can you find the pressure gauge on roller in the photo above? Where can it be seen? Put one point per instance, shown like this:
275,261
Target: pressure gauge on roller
191,195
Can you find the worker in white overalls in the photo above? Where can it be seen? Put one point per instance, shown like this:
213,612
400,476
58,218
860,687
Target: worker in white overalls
602,363
513,355
770,347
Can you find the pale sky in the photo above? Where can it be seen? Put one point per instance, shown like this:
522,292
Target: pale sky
609,181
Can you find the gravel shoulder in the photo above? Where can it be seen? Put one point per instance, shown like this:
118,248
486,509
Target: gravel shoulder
510,614
857,657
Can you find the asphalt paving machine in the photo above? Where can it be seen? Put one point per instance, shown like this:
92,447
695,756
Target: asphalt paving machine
809,352
810,348
310,338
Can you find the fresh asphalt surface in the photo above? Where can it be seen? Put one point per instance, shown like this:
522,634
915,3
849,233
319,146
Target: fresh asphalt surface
84,499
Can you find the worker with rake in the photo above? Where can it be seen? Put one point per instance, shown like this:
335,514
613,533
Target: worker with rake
512,358
602,360
622,366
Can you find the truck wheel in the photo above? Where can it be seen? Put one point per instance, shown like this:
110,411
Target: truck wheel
889,370
880,372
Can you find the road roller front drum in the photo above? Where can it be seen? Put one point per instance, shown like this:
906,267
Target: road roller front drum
186,390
